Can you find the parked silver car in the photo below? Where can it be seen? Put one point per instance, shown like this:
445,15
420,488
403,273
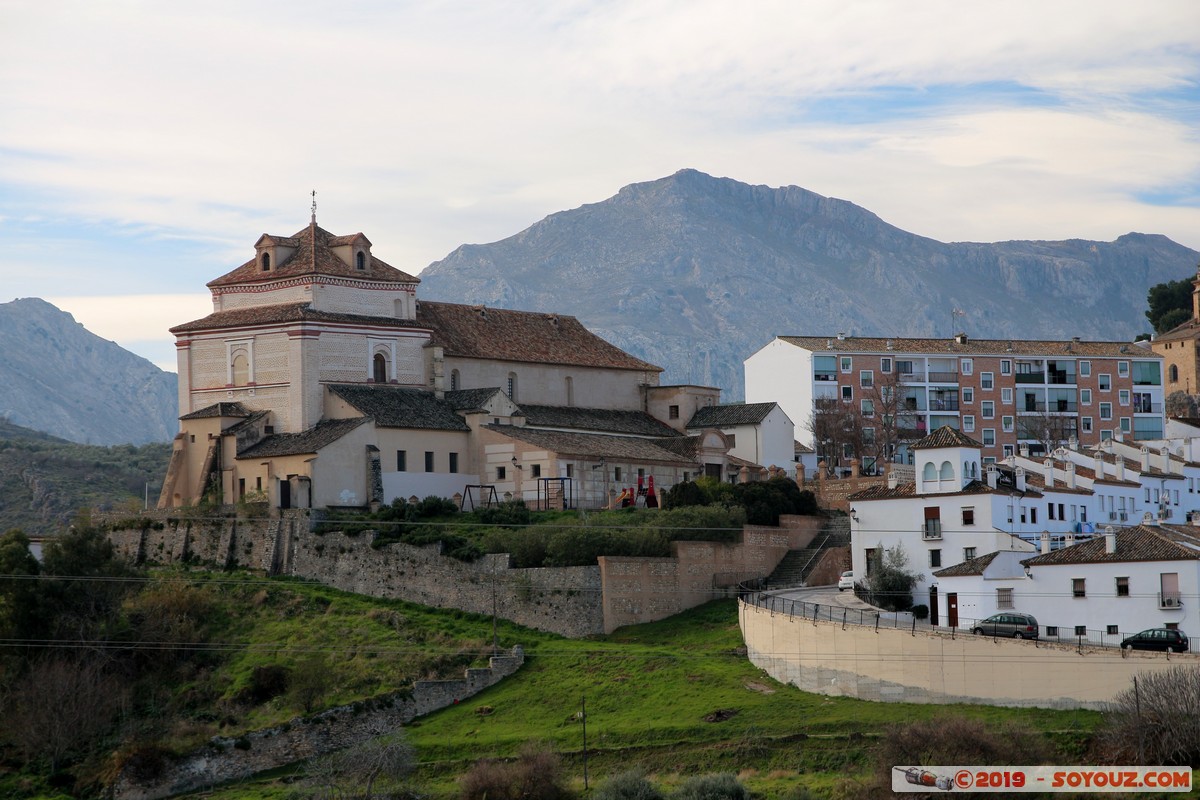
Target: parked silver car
1018,626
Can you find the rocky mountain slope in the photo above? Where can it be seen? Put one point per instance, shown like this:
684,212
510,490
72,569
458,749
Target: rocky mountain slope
695,273
58,377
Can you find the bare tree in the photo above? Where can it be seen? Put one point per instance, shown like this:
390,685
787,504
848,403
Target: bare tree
888,416
1181,404
837,432
355,771
1156,720
1047,429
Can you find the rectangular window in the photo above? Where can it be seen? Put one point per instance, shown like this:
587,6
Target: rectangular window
847,394
1123,369
935,558
968,553
1126,425
987,409
1123,397
673,412
968,394
1104,380
1081,630
867,407
1006,423
1006,367
617,474
1052,630
1106,411
986,381
401,460
1004,598
1122,587
1033,515
968,515
847,363
989,437
536,471
1112,630
500,473
1006,396
1078,587
454,462
968,423
1085,424
1008,450
1083,513
1085,369
1050,510
967,366
885,365
429,461
571,472
1085,397
866,378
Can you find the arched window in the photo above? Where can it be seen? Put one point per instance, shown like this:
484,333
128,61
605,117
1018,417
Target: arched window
454,380
380,368
266,262
930,472
947,471
1173,374
360,260
241,368
512,386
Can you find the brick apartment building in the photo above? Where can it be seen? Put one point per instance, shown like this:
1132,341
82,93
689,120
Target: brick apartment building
1001,392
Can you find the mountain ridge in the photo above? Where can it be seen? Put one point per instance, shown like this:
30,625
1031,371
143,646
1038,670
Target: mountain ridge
695,273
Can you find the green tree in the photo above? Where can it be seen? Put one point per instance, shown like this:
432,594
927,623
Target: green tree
1170,304
890,581
19,594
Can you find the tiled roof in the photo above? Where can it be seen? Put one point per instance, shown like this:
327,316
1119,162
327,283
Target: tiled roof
606,420
289,312
248,422
686,447
470,399
401,407
312,440
1130,465
313,256
521,336
972,566
730,414
882,492
946,436
233,409
595,446
1182,332
801,447
1139,543
978,347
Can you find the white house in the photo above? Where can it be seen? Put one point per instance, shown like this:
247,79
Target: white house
759,433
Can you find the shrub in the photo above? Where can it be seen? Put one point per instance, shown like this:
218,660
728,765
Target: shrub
920,611
266,682
1158,723
630,785
535,775
890,583
722,786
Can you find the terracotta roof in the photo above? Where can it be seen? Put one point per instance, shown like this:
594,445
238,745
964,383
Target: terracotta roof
1003,348
1139,543
605,420
686,447
470,399
521,336
730,414
313,256
946,436
882,492
1184,331
595,446
401,407
801,447
312,440
233,409
972,566
290,312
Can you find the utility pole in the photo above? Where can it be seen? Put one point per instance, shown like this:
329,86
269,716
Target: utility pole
583,716
495,636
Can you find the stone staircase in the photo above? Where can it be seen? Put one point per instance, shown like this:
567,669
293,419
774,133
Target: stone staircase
795,567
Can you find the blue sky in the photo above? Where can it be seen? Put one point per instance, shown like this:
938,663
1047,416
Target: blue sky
145,146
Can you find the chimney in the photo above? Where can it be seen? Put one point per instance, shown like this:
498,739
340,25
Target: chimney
1071,475
1045,542
1110,540
841,336
1145,458
1098,463
1024,450
1070,542
1149,519
1049,467
992,476
1073,443
960,338
1019,472
893,480
1166,460
1119,469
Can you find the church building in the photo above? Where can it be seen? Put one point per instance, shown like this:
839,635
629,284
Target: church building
321,380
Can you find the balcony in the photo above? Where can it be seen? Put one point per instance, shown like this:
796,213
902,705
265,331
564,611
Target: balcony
912,377
943,405
943,377
1030,377
824,376
1145,407
1053,407
1171,600
932,529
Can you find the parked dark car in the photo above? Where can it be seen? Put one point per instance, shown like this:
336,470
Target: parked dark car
1018,626
1167,640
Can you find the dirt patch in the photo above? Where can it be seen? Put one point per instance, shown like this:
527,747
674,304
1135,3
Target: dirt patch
720,715
760,688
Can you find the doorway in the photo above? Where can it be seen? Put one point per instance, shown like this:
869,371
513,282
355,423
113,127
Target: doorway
952,609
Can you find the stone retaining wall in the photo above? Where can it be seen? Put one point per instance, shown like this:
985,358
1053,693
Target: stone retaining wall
226,759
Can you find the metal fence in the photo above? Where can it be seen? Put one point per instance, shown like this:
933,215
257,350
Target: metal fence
903,620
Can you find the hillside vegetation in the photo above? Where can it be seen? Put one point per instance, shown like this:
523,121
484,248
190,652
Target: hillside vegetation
45,481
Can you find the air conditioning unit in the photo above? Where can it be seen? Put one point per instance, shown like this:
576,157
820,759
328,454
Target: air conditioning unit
1170,602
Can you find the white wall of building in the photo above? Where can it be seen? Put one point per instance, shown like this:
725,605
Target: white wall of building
782,373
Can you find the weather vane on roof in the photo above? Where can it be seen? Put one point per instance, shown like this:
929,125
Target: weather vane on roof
314,206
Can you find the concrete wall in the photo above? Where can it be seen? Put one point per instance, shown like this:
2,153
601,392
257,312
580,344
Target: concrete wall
898,666
223,760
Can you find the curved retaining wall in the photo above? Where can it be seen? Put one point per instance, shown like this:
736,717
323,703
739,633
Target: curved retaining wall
929,667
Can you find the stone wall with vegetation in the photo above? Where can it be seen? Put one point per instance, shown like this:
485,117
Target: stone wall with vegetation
224,759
